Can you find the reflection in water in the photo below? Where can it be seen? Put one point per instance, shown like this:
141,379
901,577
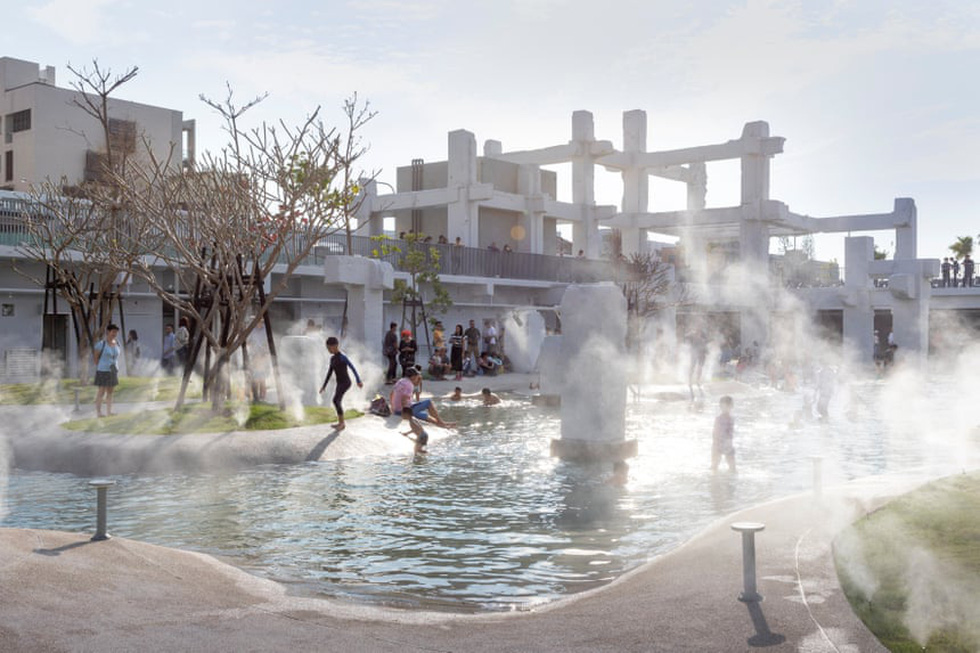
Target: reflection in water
487,520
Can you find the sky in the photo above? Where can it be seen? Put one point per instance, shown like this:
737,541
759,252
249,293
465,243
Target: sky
877,99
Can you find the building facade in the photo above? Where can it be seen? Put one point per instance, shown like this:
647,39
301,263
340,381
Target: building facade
496,227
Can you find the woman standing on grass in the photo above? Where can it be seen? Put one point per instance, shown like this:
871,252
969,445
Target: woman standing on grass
106,355
339,364
457,342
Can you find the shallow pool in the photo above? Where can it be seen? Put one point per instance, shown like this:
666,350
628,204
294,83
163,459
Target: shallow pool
488,520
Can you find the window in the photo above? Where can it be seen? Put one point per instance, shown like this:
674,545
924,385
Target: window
20,121
8,166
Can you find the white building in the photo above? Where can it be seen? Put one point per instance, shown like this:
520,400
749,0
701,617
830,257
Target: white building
46,136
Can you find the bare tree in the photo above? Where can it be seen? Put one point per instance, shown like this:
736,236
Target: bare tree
76,231
232,232
649,287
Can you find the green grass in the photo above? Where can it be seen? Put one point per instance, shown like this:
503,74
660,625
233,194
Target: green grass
199,418
62,391
911,570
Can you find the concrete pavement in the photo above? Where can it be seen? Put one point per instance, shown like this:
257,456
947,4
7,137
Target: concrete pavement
65,593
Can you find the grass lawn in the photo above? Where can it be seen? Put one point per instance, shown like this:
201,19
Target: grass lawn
130,389
911,570
198,418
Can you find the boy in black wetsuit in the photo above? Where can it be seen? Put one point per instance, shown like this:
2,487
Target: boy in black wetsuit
415,431
338,365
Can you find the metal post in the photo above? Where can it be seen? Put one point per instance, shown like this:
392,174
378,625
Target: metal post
748,531
101,487
78,408
817,475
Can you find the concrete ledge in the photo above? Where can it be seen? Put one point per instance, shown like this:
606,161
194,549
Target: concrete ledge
589,451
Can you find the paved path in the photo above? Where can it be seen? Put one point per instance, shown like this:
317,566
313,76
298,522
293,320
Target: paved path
65,593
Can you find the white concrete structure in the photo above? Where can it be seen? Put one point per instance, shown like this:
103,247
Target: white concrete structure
503,197
482,202
46,136
593,385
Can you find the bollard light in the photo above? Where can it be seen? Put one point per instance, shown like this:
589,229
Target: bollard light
101,487
748,529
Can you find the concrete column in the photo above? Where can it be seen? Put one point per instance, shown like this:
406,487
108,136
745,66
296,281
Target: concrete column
367,201
755,167
593,397
697,187
365,280
858,314
754,281
905,237
911,288
636,183
463,216
754,238
531,223
585,232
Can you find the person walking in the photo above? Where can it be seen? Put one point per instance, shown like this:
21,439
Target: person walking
956,271
945,270
133,352
390,350
106,355
722,436
473,340
338,365
968,267
182,338
167,360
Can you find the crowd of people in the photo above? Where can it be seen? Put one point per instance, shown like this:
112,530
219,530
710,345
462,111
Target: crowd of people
950,271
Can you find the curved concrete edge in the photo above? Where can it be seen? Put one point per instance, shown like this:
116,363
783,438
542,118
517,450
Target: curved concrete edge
88,454
63,592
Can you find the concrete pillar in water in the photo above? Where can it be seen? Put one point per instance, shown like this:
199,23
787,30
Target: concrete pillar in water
593,387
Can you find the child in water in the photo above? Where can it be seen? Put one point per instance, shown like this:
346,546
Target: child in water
723,435
421,438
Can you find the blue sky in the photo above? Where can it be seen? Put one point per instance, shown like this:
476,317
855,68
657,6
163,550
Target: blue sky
877,99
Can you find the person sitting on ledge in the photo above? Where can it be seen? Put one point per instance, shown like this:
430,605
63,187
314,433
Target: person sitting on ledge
423,409
439,367
487,365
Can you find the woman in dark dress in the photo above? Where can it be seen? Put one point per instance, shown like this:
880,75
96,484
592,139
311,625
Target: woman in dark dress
456,342
406,351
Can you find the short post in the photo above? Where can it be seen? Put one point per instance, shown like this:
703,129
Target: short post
101,486
817,475
748,530
78,408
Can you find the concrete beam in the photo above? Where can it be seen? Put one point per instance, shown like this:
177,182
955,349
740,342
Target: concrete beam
557,153
735,149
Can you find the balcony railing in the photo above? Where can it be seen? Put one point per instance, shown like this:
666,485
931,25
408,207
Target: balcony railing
475,262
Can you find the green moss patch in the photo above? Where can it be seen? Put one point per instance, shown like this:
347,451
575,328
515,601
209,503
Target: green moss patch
200,418
911,570
131,389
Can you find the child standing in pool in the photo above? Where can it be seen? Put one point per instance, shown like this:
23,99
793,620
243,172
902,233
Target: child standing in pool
722,441
421,438
338,365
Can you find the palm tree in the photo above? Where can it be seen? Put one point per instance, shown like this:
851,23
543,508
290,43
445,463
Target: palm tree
963,247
